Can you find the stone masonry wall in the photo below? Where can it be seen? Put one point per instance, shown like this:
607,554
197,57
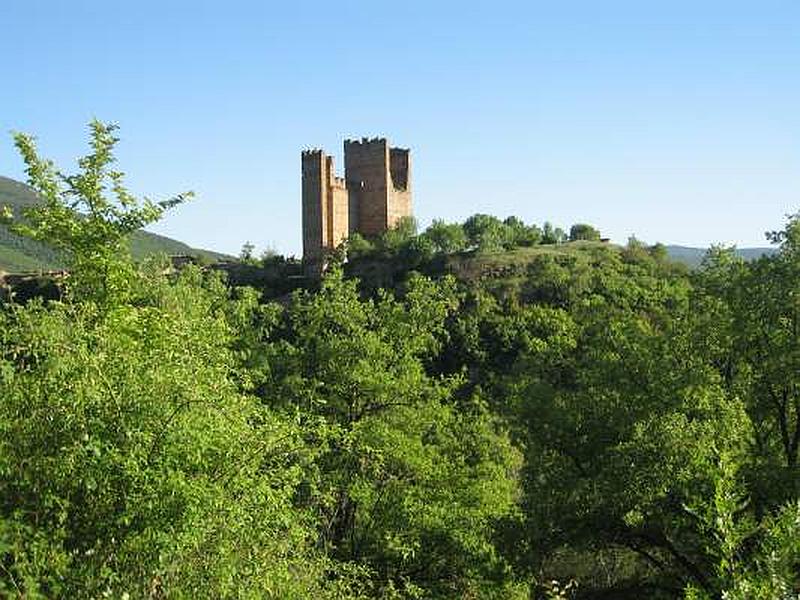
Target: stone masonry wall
366,164
314,208
338,207
374,194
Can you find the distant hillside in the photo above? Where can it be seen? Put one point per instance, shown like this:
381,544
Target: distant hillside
20,254
694,256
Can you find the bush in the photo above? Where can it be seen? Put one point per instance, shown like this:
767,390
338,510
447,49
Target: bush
358,246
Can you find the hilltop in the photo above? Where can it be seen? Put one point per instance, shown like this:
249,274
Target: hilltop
20,254
505,272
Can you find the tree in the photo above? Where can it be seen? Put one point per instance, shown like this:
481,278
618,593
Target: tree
759,351
521,234
247,253
358,246
130,463
772,572
446,238
394,238
594,365
659,252
416,252
133,462
88,215
582,231
485,233
552,235
412,485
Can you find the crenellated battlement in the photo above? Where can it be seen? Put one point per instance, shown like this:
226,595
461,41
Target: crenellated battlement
373,195
366,142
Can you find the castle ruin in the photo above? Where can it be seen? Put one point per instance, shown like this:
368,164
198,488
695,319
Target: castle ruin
373,195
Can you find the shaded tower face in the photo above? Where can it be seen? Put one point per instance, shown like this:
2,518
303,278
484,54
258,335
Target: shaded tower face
314,209
400,177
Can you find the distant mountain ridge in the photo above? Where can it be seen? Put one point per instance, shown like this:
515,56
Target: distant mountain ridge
694,256
18,254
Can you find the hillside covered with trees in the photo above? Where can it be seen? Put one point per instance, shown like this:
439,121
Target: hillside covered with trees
21,254
480,411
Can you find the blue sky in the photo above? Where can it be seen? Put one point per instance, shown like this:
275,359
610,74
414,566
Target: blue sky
673,121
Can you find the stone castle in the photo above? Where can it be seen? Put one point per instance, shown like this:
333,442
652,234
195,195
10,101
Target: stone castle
373,195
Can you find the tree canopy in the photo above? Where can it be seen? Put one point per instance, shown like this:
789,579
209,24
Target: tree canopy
596,423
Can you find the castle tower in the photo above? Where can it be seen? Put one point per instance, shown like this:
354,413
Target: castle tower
325,205
374,194
379,182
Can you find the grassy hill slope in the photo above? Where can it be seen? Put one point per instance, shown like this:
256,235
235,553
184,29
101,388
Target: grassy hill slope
20,254
503,269
508,270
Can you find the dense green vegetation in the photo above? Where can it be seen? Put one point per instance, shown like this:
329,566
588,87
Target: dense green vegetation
493,419
21,254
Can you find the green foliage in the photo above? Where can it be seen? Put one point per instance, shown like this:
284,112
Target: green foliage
247,253
411,486
19,254
88,215
771,572
595,365
759,348
520,234
552,235
774,572
131,464
582,231
485,233
394,239
358,246
446,238
564,420
417,252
